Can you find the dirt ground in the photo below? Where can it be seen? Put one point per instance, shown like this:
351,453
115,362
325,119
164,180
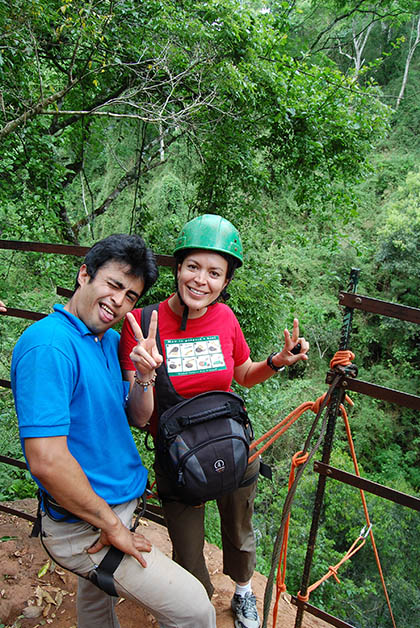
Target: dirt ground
34,593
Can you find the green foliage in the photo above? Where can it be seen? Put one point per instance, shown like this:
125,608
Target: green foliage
261,118
398,254
15,483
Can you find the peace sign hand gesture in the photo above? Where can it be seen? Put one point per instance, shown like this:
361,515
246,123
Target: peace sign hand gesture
145,354
288,355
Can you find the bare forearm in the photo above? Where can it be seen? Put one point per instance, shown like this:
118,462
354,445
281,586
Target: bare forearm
255,373
59,472
295,348
62,476
141,401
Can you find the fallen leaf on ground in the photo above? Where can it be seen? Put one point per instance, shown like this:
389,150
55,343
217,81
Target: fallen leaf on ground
32,612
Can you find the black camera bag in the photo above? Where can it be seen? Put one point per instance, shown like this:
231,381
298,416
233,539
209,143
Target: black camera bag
203,445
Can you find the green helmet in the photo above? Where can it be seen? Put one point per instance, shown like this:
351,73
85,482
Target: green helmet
213,233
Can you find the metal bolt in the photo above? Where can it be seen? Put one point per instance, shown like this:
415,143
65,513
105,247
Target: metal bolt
329,471
345,383
358,300
341,296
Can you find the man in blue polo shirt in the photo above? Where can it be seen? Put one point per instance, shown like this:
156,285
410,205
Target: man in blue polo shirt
72,408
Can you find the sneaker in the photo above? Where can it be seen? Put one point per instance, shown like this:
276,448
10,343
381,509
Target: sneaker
244,608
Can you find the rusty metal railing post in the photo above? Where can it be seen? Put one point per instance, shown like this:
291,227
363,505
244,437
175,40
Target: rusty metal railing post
333,409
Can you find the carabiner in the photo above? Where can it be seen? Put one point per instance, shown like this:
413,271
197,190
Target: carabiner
363,534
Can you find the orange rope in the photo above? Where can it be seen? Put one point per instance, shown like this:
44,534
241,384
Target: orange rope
365,509
284,425
332,571
341,358
298,459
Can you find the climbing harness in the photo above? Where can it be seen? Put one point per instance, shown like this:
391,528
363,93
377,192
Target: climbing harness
102,575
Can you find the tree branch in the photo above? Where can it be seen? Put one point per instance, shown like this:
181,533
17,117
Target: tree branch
34,111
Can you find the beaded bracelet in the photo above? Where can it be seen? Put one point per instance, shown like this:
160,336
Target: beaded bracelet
146,384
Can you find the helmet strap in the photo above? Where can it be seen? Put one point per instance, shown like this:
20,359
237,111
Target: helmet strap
184,318
184,313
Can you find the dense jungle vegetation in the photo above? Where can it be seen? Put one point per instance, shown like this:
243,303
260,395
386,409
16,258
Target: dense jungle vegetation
299,122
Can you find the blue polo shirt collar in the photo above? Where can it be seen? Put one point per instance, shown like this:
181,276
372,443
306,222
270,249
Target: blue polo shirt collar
76,322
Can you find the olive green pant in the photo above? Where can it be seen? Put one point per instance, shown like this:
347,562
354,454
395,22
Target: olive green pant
186,530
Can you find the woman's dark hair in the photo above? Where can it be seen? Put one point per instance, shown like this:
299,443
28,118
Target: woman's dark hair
232,266
126,249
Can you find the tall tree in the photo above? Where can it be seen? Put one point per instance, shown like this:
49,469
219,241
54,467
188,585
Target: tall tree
217,75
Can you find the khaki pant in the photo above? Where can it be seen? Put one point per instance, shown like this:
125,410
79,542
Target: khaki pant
186,529
168,591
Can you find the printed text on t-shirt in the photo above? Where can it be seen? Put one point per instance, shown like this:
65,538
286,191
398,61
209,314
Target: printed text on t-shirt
194,355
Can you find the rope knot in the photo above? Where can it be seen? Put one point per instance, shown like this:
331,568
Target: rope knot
342,358
299,458
333,572
302,598
317,404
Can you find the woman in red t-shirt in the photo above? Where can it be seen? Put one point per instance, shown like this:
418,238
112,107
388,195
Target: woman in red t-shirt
204,349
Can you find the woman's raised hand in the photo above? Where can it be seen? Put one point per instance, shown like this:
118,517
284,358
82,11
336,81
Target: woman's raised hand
145,354
285,357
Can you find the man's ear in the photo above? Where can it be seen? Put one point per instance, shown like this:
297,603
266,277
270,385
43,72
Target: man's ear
83,276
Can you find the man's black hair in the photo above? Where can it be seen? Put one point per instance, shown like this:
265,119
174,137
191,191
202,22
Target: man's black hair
126,249
233,264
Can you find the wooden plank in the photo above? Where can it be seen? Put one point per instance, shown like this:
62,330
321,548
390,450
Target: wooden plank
16,312
66,249
15,463
18,513
64,292
367,485
385,308
317,612
380,392
44,247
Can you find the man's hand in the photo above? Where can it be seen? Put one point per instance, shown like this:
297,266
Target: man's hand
128,542
145,354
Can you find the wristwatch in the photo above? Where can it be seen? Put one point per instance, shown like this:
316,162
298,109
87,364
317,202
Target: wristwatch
272,365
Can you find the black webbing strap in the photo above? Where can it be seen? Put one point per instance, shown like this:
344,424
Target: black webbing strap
103,575
36,528
45,503
266,471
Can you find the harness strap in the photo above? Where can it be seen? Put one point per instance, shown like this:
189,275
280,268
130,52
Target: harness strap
103,575
49,503
265,470
36,529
